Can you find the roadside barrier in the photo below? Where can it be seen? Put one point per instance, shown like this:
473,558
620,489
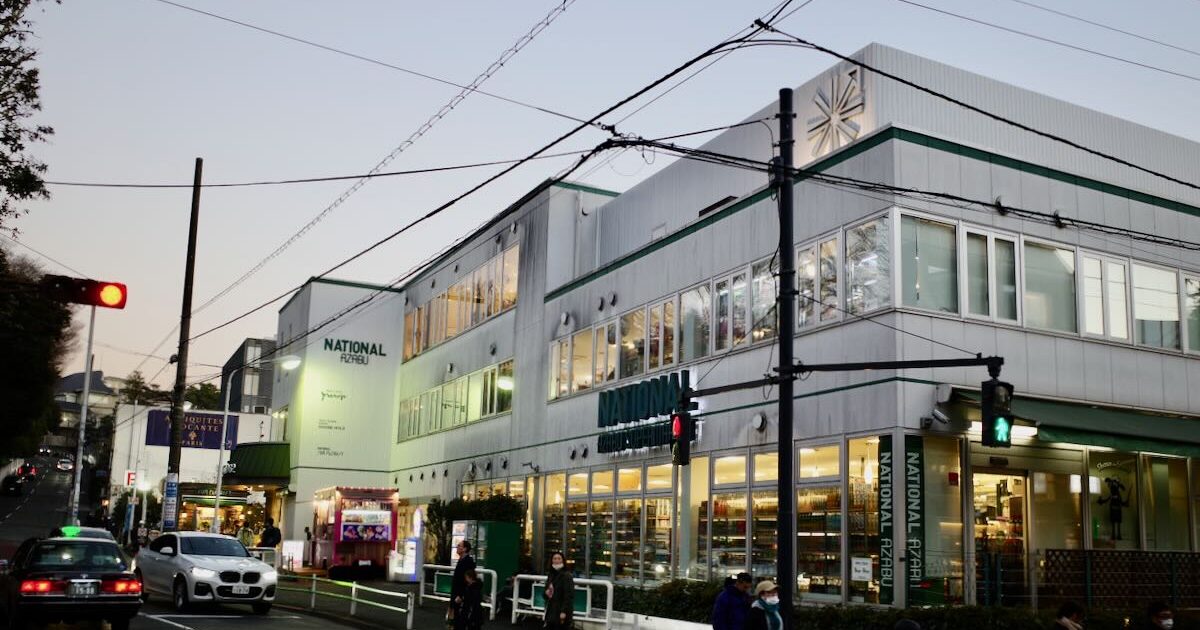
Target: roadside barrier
354,596
535,604
438,588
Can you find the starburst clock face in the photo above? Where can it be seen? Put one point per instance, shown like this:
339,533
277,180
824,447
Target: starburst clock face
838,103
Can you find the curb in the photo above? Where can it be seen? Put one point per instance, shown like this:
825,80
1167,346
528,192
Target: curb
342,619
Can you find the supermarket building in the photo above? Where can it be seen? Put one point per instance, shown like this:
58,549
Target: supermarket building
493,370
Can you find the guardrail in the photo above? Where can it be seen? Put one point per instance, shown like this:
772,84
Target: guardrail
269,555
443,577
535,604
353,597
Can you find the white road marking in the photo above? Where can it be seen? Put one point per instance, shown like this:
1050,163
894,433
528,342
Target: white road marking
226,617
166,621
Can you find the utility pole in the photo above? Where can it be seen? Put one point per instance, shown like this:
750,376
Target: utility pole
784,563
170,507
83,414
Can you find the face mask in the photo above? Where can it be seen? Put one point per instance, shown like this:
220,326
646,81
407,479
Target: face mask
558,567
1167,624
773,600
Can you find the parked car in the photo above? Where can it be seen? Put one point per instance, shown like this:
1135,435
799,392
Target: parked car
74,531
66,465
13,486
199,566
69,579
27,471
44,451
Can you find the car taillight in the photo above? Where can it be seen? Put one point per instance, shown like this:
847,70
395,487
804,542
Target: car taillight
121,587
42,587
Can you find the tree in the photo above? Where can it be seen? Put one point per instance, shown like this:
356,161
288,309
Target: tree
203,396
35,336
138,391
20,173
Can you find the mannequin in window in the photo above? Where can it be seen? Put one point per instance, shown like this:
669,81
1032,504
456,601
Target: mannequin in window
1115,505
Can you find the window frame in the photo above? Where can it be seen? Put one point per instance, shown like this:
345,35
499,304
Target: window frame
1184,335
888,217
814,244
1044,242
1179,273
711,319
959,261
1105,260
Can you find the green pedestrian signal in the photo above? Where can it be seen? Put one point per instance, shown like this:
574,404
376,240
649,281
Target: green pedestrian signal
996,409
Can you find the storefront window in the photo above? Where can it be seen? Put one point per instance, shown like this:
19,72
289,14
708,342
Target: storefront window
553,502
577,485
863,520
764,541
1050,288
730,469
930,272
728,533
819,542
658,477
806,285
511,259
1113,484
695,317
633,343
1056,509
695,530
820,461
656,562
1000,538
763,298
766,467
628,558
941,510
1166,501
1155,307
630,480
601,538
868,272
581,361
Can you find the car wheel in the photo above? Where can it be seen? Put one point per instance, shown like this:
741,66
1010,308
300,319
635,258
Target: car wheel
180,595
261,608
120,623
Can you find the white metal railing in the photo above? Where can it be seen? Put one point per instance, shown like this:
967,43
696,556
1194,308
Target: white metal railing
268,555
353,597
530,607
441,593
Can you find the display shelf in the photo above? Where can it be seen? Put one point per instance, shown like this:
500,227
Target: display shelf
600,542
627,551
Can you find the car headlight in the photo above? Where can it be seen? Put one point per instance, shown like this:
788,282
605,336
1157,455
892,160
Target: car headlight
203,574
270,576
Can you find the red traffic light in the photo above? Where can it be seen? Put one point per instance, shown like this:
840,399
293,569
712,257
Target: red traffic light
110,294
85,291
676,427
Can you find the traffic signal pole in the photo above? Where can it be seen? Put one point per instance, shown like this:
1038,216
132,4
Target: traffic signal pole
83,414
170,507
784,565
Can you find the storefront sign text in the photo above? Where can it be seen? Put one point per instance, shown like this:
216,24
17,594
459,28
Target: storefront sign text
649,399
914,495
357,352
200,430
887,556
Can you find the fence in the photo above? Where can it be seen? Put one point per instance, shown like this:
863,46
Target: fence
438,589
1111,579
354,596
268,555
535,604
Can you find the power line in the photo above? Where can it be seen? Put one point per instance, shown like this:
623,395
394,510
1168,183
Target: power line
1107,27
383,64
1056,42
46,256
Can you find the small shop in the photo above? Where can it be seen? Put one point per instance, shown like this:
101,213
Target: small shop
259,469
355,530
198,507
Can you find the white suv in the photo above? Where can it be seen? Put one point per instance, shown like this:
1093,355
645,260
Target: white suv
203,567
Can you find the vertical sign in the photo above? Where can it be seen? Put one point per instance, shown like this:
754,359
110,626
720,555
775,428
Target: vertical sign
887,556
130,478
170,506
914,510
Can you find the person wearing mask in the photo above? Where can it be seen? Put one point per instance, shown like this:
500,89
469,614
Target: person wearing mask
733,604
1160,615
764,612
271,536
458,584
470,612
1070,617
560,594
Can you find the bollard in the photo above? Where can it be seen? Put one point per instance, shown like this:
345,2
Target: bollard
312,601
411,606
353,597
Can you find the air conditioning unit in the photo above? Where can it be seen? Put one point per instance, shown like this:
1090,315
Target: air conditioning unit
260,409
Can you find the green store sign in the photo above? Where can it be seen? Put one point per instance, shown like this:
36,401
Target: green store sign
648,399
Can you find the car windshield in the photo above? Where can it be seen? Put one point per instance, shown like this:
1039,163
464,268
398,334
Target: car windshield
77,555
213,546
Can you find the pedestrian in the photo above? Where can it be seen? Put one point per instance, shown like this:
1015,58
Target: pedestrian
470,613
1160,615
307,534
764,612
560,594
733,604
458,584
270,535
1070,616
245,534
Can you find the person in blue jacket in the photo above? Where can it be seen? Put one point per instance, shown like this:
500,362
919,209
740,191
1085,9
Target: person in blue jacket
733,604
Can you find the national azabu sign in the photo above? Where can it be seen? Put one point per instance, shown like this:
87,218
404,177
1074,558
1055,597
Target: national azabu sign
635,404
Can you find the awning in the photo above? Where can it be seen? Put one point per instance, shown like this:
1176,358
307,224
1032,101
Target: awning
260,464
1099,425
207,500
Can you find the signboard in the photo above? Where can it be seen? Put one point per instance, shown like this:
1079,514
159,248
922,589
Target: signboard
860,569
887,524
170,505
200,430
130,478
354,351
293,553
914,509
635,404
366,533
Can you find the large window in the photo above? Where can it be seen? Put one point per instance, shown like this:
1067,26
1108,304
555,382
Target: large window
1050,287
930,264
978,289
1166,496
1006,279
661,332
471,397
581,360
806,285
1104,297
828,252
633,343
868,272
695,321
817,282
1155,307
1112,477
763,292
863,517
605,368
1191,301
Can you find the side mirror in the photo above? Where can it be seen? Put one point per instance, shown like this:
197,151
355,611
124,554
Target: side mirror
167,551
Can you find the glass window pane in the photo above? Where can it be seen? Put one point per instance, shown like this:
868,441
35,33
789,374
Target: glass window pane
764,540
1118,318
511,259
577,534
1166,501
627,558
868,269
611,366
728,533
723,303
1056,506
819,543
633,343
657,559
658,477
654,355
829,278
1050,288
409,335
863,515
629,480
763,313
553,371
504,387
806,283
943,514
977,275
695,317
766,467
479,280
1155,307
475,396
603,482
581,361
741,310
564,366
668,333
696,529
930,273
577,485
600,359
1112,481
495,274
730,469
1192,303
820,461
1093,297
1006,279
452,311
600,539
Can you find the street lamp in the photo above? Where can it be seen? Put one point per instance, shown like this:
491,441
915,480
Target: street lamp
288,363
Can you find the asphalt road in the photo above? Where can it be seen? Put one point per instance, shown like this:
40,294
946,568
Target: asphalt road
160,616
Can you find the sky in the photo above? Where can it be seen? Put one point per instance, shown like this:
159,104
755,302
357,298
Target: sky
137,89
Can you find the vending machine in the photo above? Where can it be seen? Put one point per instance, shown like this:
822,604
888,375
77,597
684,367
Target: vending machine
496,545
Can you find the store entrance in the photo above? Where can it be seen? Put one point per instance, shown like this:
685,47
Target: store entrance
1000,539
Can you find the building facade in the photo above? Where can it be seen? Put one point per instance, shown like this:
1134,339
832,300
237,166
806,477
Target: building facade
923,231
248,378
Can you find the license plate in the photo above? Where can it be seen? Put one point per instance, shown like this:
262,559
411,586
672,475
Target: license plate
82,589
241,589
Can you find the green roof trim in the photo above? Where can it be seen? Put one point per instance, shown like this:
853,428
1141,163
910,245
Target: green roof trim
587,189
859,147
260,463
356,285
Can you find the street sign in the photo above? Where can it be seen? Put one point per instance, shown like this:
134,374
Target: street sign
130,478
170,505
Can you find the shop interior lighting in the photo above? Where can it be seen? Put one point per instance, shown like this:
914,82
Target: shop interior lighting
1018,430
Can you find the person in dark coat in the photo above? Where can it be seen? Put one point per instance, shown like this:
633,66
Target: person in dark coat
469,615
270,535
458,584
733,604
560,594
764,612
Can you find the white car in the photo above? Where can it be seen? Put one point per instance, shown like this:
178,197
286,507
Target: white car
66,465
201,567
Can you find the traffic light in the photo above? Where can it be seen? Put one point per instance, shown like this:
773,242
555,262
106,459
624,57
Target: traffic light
683,429
85,291
996,406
